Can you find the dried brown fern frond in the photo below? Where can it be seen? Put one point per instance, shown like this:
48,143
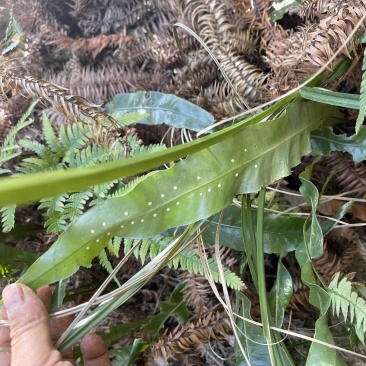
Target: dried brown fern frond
250,12
92,46
327,265
165,50
207,327
196,292
248,80
96,84
349,177
182,83
58,97
311,8
287,51
332,32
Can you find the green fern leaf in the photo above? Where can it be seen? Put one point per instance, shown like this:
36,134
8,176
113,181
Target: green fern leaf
114,246
91,155
56,223
73,138
142,150
50,136
7,149
75,205
362,113
103,260
8,217
345,300
188,260
127,119
34,146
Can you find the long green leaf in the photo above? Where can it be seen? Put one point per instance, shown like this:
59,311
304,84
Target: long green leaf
323,141
193,189
325,96
33,187
161,108
312,247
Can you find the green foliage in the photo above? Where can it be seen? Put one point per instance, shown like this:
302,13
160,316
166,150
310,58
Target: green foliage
324,141
8,217
362,113
13,35
310,248
345,300
10,149
187,260
183,193
161,108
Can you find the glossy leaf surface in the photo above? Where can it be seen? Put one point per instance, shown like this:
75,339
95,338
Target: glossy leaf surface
161,108
323,141
280,294
193,189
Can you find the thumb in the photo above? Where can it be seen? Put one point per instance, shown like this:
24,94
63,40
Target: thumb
29,328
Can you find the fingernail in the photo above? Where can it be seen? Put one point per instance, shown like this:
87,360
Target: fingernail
13,297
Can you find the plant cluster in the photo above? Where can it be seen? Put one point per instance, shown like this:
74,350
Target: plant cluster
202,207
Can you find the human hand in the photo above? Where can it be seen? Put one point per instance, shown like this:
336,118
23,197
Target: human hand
28,339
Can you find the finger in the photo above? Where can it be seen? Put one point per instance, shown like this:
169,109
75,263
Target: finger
58,326
29,327
45,294
4,340
94,351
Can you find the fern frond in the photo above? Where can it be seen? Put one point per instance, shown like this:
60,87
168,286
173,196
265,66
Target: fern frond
101,192
75,205
73,138
362,112
103,260
114,246
50,136
8,217
91,155
7,149
127,119
188,260
345,300
13,34
55,207
142,150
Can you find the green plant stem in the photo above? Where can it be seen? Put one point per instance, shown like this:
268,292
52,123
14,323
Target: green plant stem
247,223
262,292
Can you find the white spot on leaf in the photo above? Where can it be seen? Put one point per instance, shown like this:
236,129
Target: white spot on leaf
150,203
92,231
126,213
162,195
